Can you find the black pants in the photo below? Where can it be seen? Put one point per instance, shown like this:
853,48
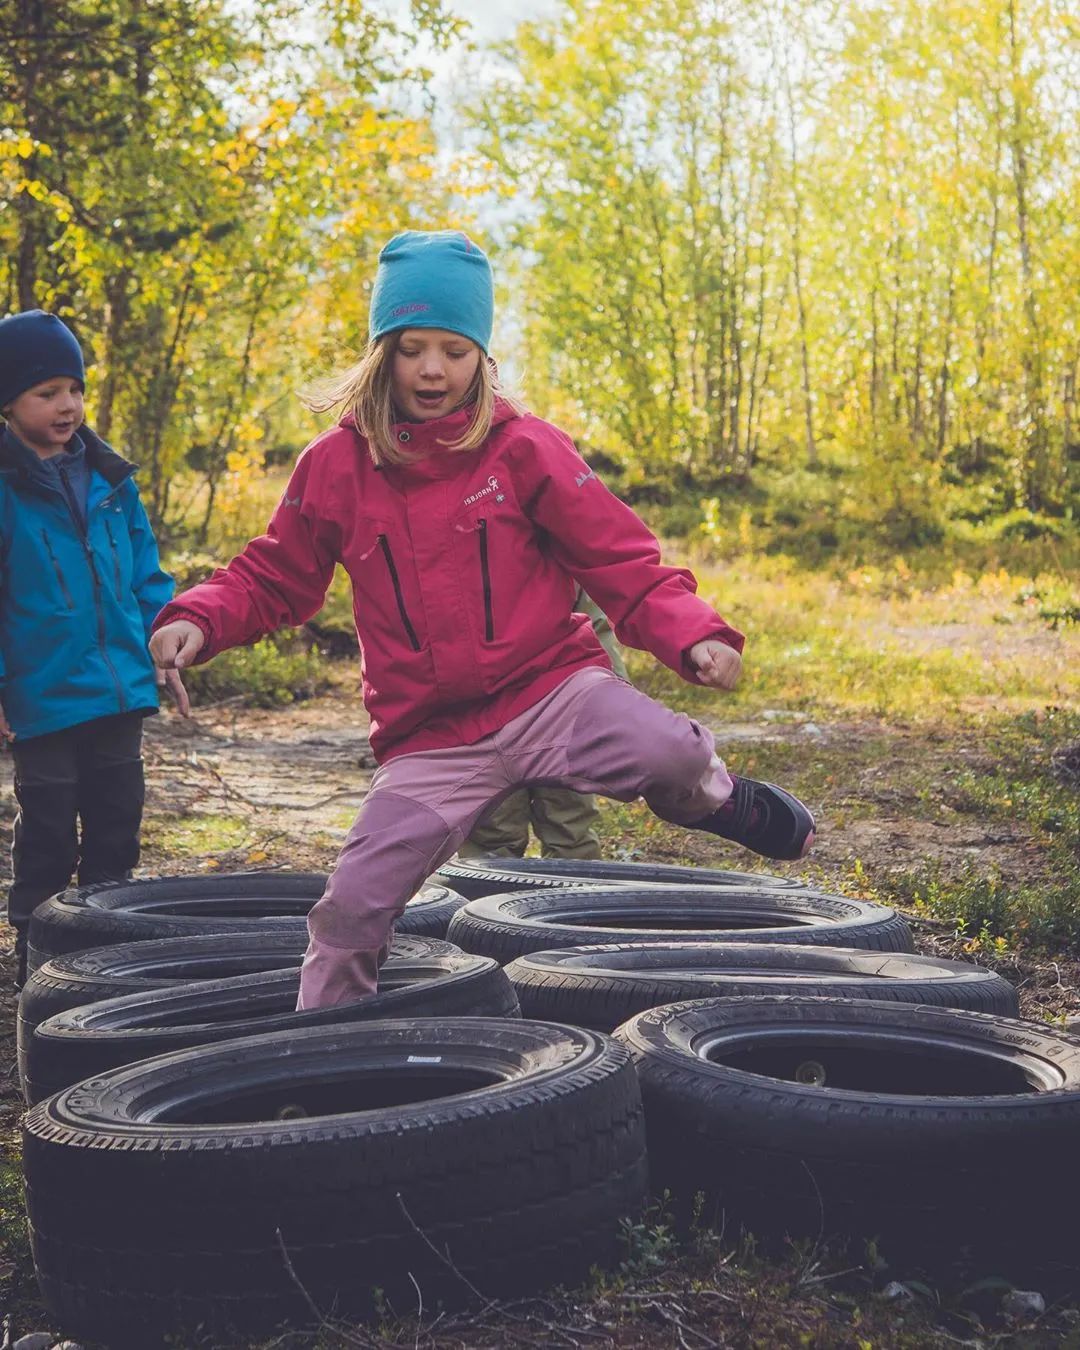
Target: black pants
80,793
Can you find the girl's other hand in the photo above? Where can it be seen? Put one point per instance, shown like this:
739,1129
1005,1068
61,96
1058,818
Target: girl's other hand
6,733
717,664
176,645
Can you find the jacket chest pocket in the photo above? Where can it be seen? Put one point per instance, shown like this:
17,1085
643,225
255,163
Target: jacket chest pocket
119,549
58,570
373,557
476,529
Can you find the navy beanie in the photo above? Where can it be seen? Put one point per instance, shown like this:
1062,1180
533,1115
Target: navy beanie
34,347
433,279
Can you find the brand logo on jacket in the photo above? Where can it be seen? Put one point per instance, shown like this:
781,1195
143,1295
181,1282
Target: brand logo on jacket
492,487
584,477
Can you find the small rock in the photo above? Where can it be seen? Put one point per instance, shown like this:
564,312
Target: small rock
811,729
895,1292
67,1345
1018,1303
37,1340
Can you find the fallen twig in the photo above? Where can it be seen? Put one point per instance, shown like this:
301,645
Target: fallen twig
324,1323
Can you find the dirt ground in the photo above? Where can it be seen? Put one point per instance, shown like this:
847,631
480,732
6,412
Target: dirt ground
239,788
236,788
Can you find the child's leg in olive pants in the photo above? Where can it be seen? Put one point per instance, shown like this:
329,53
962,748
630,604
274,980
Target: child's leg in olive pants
562,820
593,734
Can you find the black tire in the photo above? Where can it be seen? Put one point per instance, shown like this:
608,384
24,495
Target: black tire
165,963
944,1135
600,987
162,1198
429,912
166,907
476,877
83,1041
506,926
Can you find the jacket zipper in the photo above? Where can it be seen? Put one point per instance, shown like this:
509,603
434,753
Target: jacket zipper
384,544
59,574
485,577
115,559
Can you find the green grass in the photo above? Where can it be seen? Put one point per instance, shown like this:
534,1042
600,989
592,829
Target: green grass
941,704
196,836
17,1284
877,642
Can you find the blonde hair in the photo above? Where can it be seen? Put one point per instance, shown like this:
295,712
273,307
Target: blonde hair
366,391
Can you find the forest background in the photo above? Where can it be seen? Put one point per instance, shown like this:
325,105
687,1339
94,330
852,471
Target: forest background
800,276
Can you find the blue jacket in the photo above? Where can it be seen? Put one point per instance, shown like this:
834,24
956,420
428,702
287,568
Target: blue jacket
76,600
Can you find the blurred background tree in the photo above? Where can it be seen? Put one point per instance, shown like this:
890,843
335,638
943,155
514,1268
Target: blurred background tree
810,265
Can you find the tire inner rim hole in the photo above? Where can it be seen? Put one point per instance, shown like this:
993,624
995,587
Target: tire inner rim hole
230,907
219,969
696,922
257,1004
366,1090
885,1064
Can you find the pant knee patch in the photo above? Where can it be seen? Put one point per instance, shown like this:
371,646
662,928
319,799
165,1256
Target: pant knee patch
388,855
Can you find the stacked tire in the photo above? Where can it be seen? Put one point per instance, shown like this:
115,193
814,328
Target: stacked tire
945,1137
805,1074
432,1135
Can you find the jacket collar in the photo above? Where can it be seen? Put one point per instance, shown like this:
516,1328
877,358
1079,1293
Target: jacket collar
99,456
425,442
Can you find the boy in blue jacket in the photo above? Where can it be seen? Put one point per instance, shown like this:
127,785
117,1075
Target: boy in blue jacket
80,586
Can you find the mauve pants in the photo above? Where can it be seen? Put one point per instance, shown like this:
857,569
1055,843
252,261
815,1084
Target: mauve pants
594,733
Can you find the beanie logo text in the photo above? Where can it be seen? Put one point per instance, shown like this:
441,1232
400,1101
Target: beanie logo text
402,310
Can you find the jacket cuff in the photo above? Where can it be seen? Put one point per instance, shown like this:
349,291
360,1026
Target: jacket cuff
172,612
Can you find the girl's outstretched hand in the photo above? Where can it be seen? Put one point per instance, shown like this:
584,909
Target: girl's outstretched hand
717,664
176,645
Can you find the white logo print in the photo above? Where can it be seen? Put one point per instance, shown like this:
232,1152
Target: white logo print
492,486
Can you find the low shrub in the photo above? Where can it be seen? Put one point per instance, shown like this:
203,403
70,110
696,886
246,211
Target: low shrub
273,673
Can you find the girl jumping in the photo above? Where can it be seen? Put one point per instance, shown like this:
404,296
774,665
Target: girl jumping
466,525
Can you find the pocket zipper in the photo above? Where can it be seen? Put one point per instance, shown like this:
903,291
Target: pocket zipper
384,544
115,558
485,577
59,574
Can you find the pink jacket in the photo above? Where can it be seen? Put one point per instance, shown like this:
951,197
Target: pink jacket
464,568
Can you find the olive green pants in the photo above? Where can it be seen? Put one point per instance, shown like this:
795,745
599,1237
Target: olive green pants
561,819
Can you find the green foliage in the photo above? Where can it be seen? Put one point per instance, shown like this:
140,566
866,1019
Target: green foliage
192,187
650,1245
271,674
822,253
189,569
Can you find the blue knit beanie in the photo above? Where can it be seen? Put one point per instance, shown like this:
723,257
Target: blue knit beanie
35,346
433,279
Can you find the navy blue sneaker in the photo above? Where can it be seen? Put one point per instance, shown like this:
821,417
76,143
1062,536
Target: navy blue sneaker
764,818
